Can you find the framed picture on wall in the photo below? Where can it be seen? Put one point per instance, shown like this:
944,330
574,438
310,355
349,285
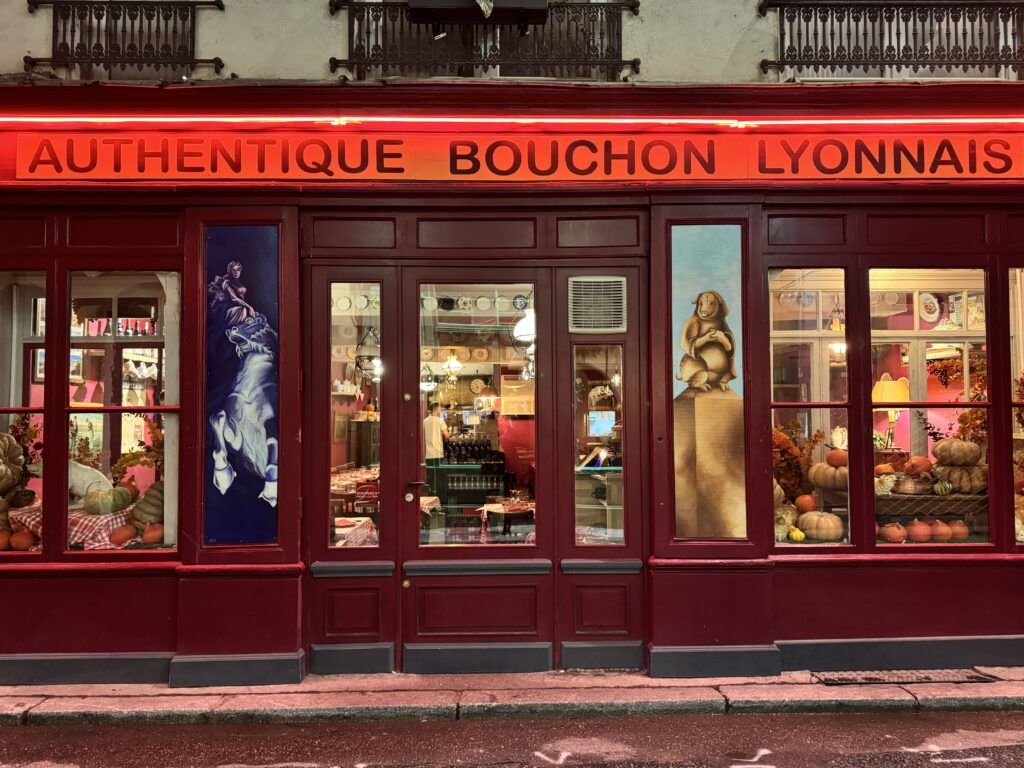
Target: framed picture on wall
76,366
340,427
38,366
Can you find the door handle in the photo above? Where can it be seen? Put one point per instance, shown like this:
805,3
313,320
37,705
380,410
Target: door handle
417,484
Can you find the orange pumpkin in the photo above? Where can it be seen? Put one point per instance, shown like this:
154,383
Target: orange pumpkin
805,503
893,533
1018,485
941,532
959,530
919,531
154,534
917,465
23,541
837,458
884,469
5,540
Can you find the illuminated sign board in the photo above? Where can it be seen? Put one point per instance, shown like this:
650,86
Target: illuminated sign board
247,156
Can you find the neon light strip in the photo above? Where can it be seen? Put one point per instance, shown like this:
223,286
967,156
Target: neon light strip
339,121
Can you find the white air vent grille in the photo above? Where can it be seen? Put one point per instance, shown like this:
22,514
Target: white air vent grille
597,304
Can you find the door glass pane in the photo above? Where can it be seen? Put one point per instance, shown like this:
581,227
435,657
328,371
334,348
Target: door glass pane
598,476
478,435
21,481
357,370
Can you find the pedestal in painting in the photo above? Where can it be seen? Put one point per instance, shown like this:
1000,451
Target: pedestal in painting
709,461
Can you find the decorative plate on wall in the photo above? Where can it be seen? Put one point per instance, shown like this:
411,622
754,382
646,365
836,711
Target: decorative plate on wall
483,303
429,303
930,309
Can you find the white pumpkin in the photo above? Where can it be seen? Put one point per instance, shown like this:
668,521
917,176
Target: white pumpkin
777,492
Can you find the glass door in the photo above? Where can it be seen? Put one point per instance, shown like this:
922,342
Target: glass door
476,389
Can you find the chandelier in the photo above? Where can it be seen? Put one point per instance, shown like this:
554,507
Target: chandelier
452,367
368,356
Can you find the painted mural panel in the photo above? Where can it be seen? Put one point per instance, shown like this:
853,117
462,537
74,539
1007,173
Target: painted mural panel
707,320
242,408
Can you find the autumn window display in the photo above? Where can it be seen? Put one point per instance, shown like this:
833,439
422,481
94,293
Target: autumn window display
806,490
20,450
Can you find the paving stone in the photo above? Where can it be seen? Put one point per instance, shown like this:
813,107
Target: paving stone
116,709
582,703
292,707
1003,673
13,708
816,698
967,696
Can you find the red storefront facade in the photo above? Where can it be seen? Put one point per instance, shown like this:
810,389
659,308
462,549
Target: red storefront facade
528,258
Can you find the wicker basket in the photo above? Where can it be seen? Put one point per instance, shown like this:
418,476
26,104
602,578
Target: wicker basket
913,486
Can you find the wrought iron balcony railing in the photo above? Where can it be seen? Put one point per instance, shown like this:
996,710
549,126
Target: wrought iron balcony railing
124,35
580,40
920,38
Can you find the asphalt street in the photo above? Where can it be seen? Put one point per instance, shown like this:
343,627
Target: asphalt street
932,740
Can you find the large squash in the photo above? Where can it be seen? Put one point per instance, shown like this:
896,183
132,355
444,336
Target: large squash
821,526
964,479
106,502
822,475
150,508
12,462
954,452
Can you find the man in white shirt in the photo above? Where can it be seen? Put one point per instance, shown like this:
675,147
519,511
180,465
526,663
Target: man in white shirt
435,432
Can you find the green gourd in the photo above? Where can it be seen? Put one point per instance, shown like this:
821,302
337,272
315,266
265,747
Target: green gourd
107,502
942,488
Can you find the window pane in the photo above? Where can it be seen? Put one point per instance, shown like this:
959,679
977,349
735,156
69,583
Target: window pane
928,355
810,463
812,367
598,463
478,436
22,325
931,474
356,373
113,368
1018,474
21,481
890,310
1017,333
122,480
793,309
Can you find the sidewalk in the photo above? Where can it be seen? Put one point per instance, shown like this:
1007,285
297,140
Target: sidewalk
453,697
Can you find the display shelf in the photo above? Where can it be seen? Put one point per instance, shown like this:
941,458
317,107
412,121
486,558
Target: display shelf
930,505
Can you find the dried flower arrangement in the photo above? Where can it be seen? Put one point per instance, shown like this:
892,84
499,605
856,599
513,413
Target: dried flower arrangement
792,455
